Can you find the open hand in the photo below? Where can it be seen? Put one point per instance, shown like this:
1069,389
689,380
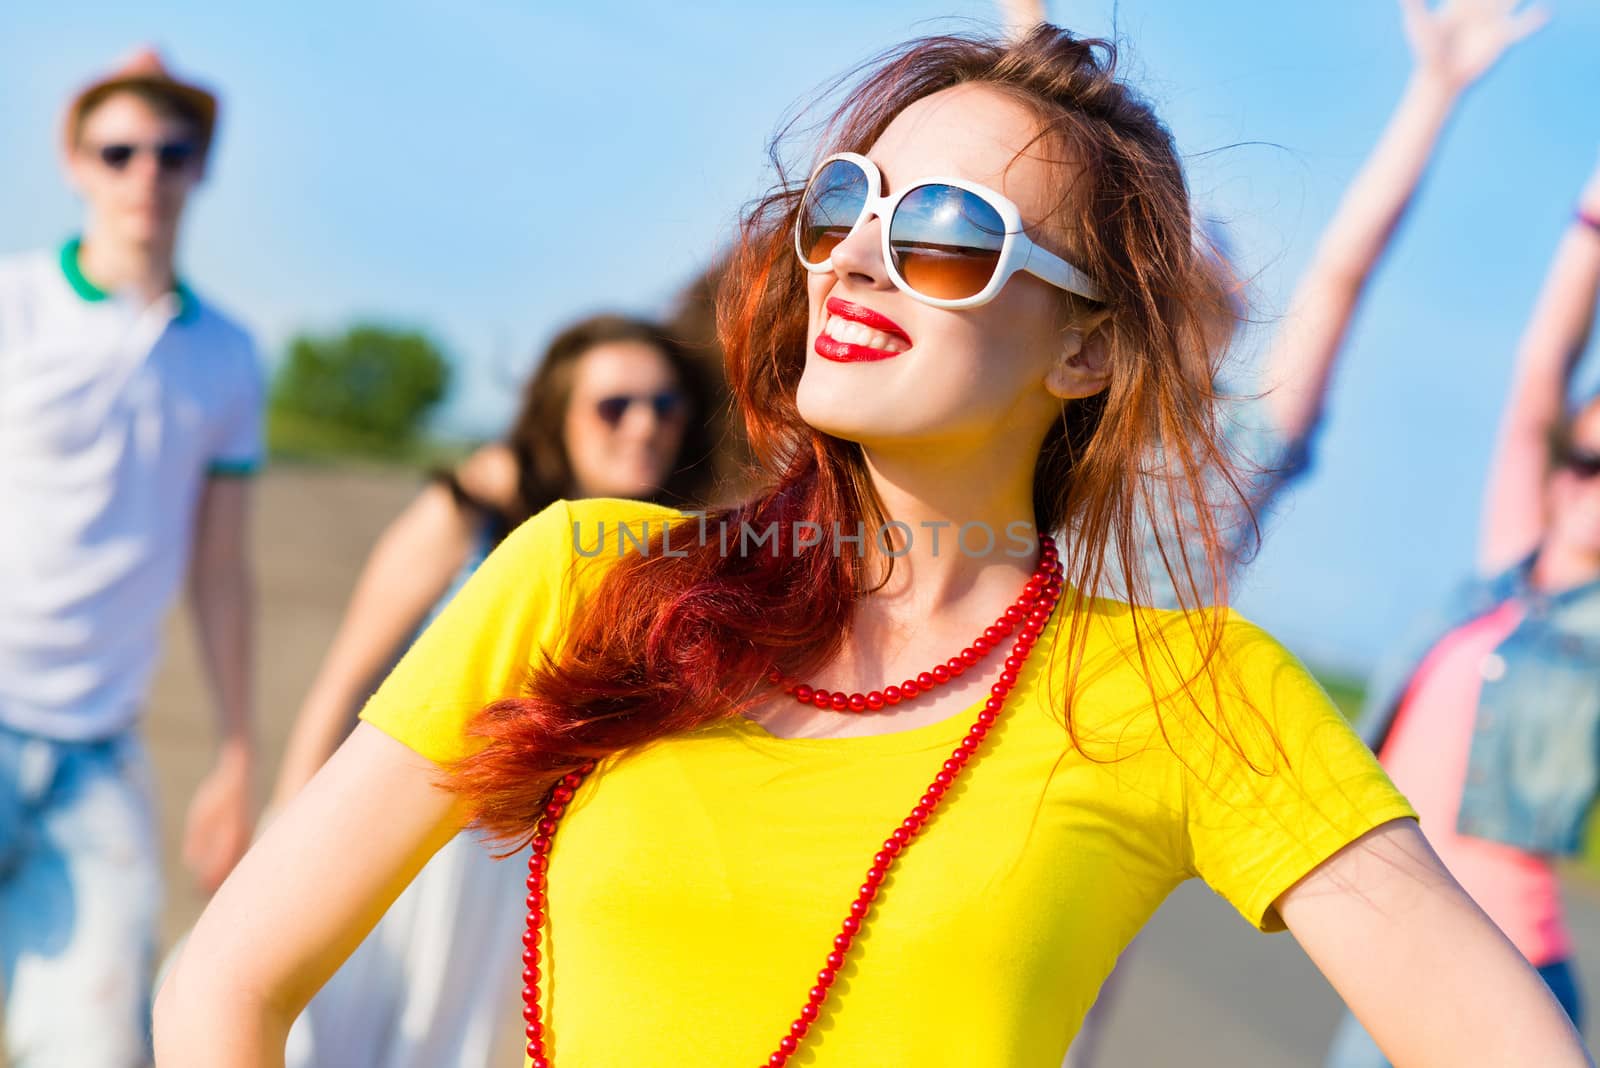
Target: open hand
1461,39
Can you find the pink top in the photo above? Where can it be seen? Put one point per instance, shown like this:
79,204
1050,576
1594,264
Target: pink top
1426,755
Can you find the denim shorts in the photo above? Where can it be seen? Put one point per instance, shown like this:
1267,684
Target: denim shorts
80,891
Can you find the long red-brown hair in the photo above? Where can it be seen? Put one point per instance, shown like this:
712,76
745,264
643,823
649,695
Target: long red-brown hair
670,643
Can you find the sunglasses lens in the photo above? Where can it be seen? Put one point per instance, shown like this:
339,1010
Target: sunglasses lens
116,156
946,242
175,155
667,405
832,205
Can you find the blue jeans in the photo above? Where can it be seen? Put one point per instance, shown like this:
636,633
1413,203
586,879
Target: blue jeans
1354,1048
80,887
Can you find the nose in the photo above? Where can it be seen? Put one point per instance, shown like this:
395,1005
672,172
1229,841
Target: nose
859,257
145,169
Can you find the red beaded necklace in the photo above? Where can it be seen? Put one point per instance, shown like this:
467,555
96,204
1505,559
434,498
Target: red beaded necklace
1030,612
973,654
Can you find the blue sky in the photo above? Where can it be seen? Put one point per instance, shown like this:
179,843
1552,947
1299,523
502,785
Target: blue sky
488,171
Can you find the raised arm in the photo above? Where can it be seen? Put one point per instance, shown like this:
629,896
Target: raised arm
300,902
410,568
1513,506
1452,46
1425,971
1019,16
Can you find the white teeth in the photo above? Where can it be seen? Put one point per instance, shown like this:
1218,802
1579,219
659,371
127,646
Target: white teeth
853,333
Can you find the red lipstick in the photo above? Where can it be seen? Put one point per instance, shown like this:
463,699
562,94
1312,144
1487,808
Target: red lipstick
845,352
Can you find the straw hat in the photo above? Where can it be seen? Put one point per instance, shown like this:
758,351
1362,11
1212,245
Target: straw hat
144,69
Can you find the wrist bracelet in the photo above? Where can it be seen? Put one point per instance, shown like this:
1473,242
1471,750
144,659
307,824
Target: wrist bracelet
1589,219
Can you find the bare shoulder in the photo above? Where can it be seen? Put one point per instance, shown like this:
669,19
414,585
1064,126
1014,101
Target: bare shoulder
491,475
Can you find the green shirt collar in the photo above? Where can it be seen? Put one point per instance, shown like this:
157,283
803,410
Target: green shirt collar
188,303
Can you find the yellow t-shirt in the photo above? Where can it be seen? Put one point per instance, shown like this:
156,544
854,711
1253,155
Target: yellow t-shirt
696,884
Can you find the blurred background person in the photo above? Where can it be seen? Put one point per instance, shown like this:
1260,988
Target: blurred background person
1452,46
1487,715
129,424
617,408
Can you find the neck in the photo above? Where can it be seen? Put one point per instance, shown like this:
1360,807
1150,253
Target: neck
971,524
1559,568
142,268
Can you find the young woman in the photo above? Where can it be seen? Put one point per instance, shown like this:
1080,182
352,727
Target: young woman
1487,715
615,409
978,319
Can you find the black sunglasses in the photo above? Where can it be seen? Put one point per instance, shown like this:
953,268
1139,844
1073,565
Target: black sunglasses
613,410
171,156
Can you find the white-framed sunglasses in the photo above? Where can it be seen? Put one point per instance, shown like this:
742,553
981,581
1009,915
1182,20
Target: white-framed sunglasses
946,241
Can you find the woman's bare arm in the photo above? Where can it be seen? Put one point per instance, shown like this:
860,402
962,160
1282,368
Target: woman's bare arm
1452,46
299,903
1430,976
409,569
1513,503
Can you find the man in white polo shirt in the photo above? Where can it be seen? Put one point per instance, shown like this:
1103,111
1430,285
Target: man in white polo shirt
130,420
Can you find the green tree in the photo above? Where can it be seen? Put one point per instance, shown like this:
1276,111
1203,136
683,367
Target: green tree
370,387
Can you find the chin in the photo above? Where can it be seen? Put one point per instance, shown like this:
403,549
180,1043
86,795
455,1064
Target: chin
147,227
830,398
840,420
862,428
636,489
884,417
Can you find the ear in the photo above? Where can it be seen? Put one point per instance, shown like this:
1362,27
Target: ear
1082,366
72,166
